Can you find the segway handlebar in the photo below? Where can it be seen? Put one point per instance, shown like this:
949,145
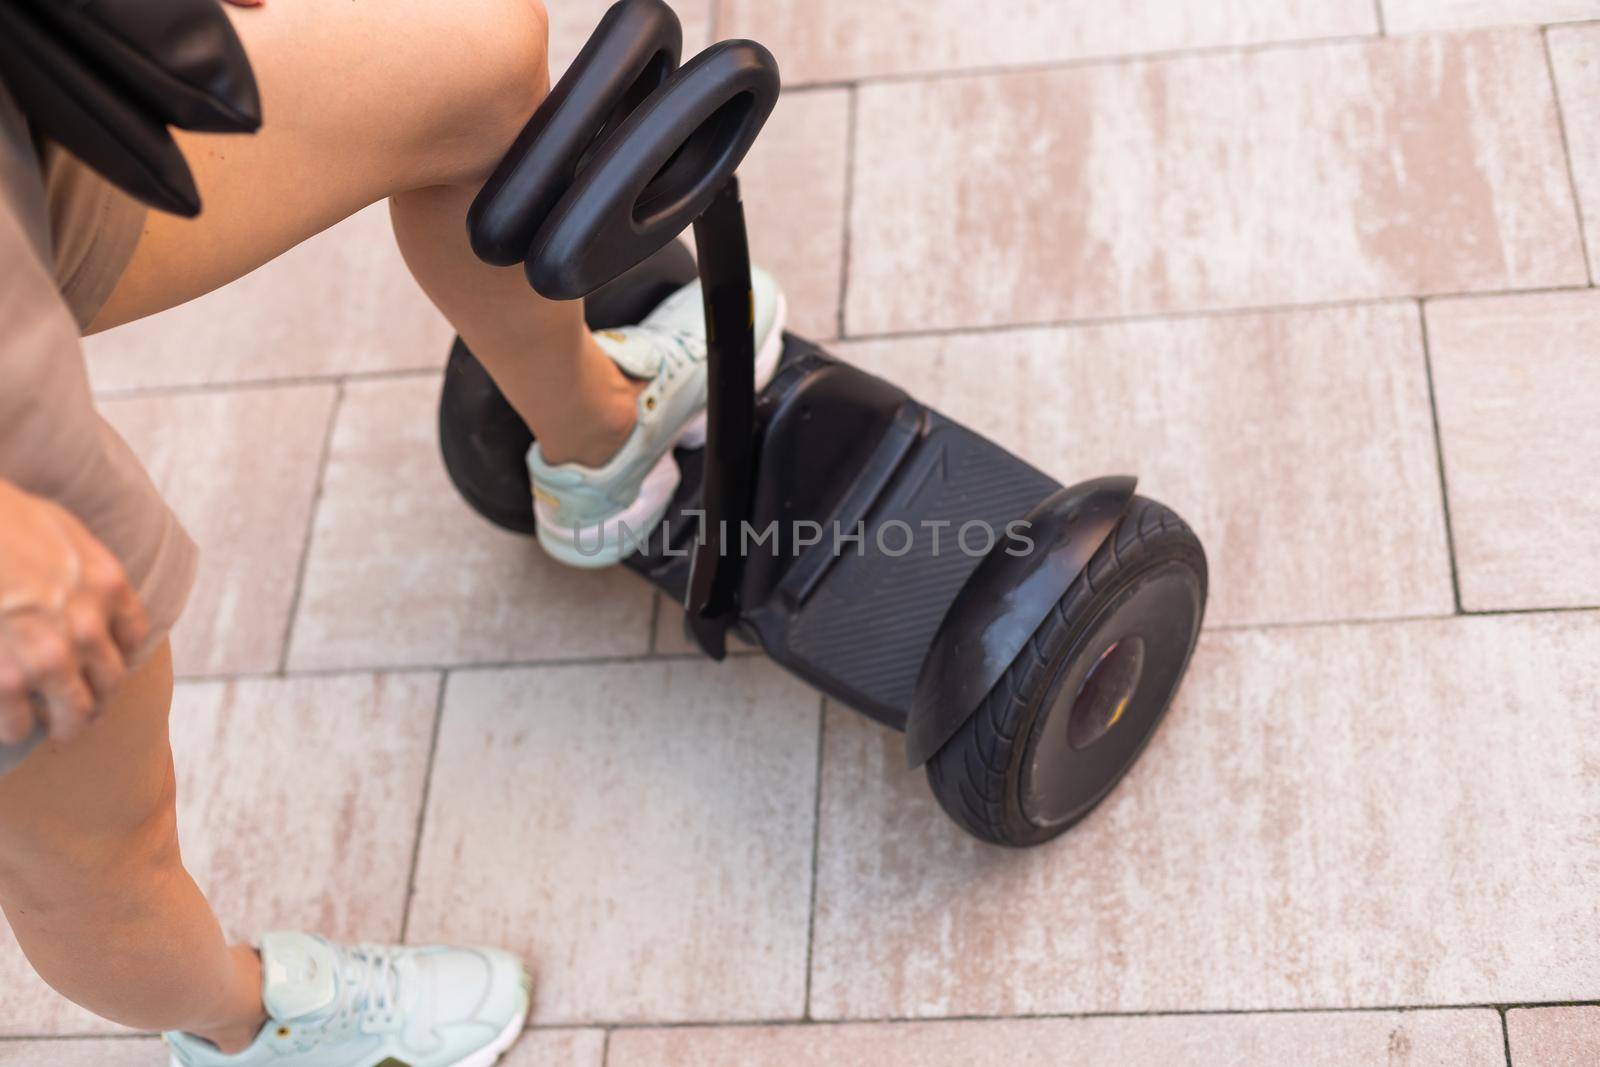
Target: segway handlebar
626,153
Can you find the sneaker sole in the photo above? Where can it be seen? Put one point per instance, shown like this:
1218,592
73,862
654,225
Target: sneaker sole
491,1053
655,494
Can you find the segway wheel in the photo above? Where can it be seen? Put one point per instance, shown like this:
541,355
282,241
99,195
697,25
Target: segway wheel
1079,703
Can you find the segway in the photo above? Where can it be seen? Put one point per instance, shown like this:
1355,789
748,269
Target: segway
1027,638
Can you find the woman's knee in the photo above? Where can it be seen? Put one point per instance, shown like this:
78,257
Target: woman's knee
504,74
66,869
100,808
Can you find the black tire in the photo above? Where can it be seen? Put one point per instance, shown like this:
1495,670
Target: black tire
978,776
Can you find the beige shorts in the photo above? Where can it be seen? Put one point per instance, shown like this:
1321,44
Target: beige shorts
53,441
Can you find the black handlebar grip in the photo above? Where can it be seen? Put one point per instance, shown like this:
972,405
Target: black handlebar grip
625,153
657,172
636,46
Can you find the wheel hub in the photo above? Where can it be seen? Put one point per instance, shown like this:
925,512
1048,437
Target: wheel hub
1103,698
1108,694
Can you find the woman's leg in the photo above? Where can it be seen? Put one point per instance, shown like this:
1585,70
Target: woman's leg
416,101
409,99
93,886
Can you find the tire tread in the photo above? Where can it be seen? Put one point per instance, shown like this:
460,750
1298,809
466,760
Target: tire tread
969,774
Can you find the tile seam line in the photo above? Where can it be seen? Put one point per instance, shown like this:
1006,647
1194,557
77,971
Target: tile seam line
419,373
1179,1013
642,659
1117,59
852,135
1193,314
1438,455
655,624
292,381
422,806
308,537
816,854
612,1026
1566,152
1111,59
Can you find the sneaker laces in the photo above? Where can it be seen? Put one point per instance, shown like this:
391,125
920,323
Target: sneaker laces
680,349
371,981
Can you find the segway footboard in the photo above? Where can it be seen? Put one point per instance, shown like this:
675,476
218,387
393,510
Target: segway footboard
871,512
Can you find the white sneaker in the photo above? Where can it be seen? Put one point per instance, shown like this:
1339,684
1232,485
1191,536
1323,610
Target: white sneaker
591,517
376,1006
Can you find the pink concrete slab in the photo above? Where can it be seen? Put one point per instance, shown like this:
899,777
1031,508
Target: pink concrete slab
1404,166
342,302
1554,1037
402,573
837,40
1299,445
558,1048
1415,1039
297,804
1350,816
1575,58
138,1052
240,469
1518,386
1408,16
641,833
794,192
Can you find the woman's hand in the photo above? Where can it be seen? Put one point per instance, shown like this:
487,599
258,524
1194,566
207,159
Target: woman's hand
69,619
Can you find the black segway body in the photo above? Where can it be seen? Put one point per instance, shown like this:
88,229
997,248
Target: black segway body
1027,637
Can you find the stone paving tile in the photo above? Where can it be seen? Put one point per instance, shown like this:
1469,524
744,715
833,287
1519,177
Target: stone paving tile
558,1048
641,833
1404,166
1554,1037
793,184
1575,57
1414,1039
240,470
1406,16
1517,380
402,573
358,747
139,1052
1261,430
836,40
342,302
1331,817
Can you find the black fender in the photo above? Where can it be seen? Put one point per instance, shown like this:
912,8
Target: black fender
1003,602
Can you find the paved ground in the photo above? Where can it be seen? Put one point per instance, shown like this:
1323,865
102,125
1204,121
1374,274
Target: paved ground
1322,270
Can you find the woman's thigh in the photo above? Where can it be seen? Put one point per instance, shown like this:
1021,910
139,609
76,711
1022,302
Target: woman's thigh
361,100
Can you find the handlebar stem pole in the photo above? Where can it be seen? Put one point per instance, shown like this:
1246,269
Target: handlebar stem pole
715,575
